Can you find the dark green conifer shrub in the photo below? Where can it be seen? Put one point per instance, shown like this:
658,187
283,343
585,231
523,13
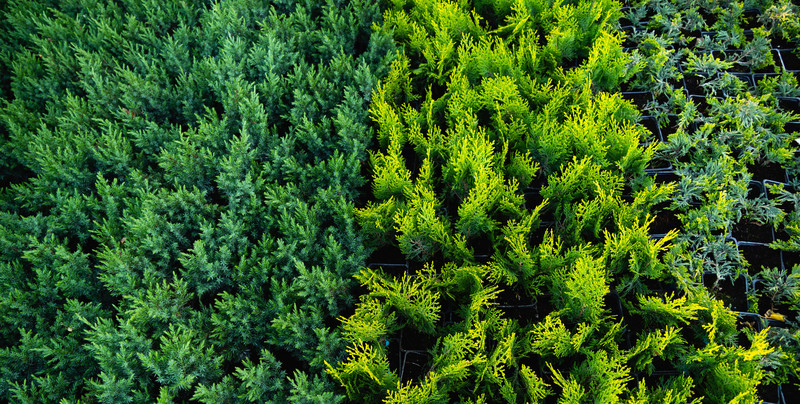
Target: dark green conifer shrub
176,195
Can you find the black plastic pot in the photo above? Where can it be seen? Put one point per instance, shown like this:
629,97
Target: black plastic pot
752,233
394,354
416,365
759,76
789,259
702,103
732,293
790,392
792,127
413,340
659,166
670,127
751,321
759,255
750,19
765,303
772,68
639,98
779,43
665,220
651,124
693,83
731,55
390,259
482,248
768,172
769,394
517,307
667,178
746,78
628,30
789,104
786,206
624,21
791,62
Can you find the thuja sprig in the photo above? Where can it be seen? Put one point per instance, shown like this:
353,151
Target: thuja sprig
414,298
490,112
365,373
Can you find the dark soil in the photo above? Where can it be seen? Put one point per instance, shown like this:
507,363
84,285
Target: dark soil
769,393
770,171
701,103
638,98
628,31
752,232
790,61
651,124
537,235
670,128
518,306
765,301
693,84
481,248
778,42
730,55
789,104
776,64
750,19
760,256
665,221
413,340
791,391
748,321
733,294
689,37
785,206
790,259
758,76
532,199
755,189
415,365
667,178
791,127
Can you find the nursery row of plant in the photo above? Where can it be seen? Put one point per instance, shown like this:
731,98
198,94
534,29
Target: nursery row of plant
411,201
517,141
726,95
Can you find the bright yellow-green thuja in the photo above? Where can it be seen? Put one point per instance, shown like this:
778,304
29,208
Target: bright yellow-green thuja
494,121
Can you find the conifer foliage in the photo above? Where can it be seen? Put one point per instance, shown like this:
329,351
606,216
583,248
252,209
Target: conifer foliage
176,192
511,176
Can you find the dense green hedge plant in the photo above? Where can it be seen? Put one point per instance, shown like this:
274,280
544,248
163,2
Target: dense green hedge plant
176,195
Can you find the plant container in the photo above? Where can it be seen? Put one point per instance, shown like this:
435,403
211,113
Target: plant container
731,292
